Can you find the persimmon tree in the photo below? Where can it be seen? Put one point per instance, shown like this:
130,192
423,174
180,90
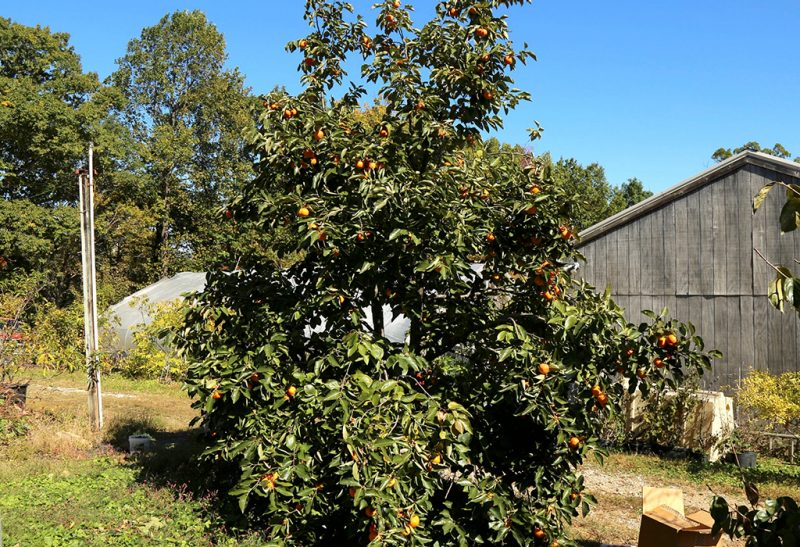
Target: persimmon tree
469,430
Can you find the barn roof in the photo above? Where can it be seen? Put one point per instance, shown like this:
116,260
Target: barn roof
748,157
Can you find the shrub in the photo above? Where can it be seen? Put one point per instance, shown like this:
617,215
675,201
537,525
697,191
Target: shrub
57,341
772,399
152,354
470,430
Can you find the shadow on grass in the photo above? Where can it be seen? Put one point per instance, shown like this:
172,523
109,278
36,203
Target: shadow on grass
175,463
119,429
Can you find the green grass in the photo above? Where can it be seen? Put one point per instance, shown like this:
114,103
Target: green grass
109,382
773,477
63,484
100,501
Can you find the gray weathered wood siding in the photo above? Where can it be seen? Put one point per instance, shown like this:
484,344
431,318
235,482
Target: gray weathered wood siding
695,255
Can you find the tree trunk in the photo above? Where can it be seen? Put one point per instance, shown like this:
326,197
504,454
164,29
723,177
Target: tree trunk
377,315
164,232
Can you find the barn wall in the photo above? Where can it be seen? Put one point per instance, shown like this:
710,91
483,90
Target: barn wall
695,256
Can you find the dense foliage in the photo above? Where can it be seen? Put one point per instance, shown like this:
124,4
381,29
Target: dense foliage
187,114
169,150
471,428
591,196
772,399
49,109
777,150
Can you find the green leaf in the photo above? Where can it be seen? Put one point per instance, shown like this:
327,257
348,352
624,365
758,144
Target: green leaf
761,196
243,501
397,233
790,215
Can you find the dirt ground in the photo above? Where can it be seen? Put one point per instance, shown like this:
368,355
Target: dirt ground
616,518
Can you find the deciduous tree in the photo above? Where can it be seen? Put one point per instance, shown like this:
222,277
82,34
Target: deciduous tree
188,113
777,150
49,110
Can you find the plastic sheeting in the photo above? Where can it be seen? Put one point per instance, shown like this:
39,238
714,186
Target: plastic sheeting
129,314
126,316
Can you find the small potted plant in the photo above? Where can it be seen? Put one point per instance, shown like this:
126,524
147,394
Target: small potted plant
739,450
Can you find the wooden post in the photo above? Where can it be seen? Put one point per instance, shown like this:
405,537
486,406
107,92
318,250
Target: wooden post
86,195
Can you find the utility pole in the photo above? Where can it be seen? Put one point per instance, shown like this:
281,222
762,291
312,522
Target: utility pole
86,194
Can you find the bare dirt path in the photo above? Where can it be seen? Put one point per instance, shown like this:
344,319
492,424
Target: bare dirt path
79,390
617,516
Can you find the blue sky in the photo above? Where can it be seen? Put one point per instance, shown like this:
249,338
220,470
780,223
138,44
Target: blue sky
646,89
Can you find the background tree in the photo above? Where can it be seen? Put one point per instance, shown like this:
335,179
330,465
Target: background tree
589,190
49,110
591,197
470,431
628,194
39,243
188,113
777,150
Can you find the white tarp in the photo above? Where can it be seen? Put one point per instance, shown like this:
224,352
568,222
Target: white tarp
129,314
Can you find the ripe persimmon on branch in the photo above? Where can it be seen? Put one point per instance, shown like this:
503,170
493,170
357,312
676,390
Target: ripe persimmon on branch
412,364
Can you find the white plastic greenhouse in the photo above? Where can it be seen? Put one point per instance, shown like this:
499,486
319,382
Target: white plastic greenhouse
126,316
131,313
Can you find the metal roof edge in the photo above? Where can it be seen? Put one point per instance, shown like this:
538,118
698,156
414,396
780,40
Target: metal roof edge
748,157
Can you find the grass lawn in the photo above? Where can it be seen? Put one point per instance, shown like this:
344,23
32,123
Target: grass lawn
62,484
97,501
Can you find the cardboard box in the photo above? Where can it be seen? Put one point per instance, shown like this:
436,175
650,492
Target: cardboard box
665,525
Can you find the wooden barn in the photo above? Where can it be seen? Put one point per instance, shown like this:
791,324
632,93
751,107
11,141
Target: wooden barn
692,248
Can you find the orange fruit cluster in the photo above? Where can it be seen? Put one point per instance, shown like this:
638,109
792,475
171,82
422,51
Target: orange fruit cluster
668,340
600,396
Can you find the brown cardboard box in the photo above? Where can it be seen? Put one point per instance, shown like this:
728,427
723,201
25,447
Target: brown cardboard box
664,525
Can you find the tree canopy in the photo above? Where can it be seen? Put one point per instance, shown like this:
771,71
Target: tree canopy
592,198
49,110
187,114
777,150
470,431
